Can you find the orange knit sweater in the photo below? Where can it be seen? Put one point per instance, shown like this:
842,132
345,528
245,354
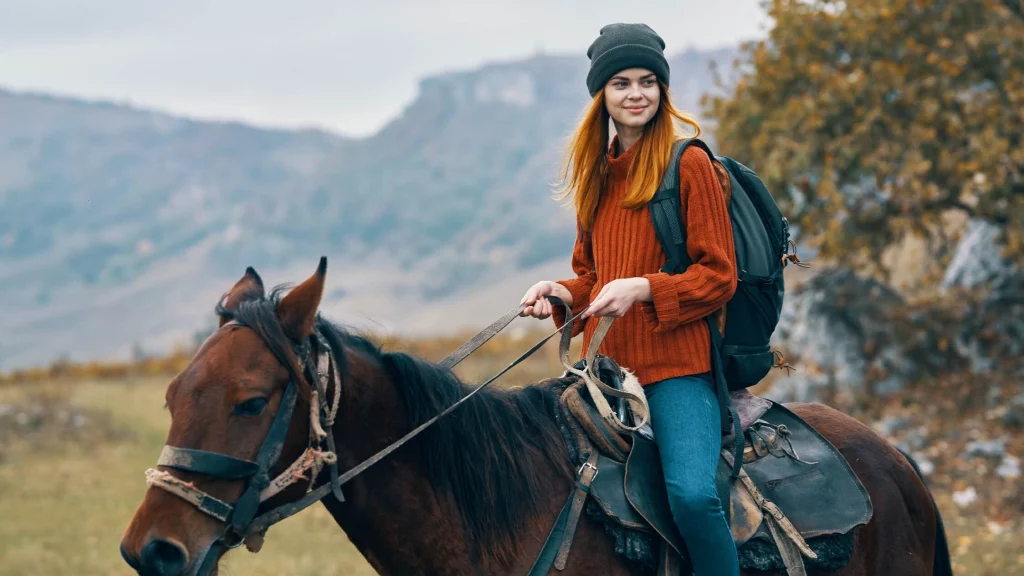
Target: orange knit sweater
665,338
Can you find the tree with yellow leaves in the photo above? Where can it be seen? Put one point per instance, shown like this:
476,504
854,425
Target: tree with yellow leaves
871,120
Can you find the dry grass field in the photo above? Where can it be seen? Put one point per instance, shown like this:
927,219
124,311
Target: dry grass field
73,448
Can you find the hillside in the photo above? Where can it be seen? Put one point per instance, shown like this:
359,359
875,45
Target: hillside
121,226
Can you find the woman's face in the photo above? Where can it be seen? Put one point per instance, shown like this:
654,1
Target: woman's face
632,97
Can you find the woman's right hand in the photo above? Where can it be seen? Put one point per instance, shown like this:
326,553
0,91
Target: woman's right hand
538,306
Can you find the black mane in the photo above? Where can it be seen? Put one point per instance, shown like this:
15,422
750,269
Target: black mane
487,456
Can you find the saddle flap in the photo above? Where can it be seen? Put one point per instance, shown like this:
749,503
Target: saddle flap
607,491
645,490
838,501
794,468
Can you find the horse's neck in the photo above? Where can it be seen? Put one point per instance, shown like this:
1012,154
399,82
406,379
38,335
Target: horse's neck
388,506
396,521
393,516
402,526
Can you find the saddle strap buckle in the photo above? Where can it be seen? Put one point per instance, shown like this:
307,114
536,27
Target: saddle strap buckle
576,500
587,464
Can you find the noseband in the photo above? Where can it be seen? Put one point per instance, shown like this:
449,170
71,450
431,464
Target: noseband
239,516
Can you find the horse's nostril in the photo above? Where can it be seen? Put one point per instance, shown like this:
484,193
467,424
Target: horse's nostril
163,558
131,560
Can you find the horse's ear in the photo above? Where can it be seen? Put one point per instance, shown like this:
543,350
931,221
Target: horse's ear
297,310
249,287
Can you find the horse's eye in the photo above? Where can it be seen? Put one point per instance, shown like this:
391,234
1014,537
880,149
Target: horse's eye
251,407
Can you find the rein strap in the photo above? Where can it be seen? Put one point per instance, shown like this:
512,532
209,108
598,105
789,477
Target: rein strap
261,523
240,517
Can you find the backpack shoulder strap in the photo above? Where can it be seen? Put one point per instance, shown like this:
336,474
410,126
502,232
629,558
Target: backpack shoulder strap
665,211
668,224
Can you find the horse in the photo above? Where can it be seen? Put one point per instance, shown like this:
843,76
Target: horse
475,493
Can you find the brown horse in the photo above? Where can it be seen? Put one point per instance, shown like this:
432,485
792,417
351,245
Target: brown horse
476,493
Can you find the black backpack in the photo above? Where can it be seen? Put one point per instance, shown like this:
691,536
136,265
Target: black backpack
761,236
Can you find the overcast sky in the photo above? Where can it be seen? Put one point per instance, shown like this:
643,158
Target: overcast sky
335,64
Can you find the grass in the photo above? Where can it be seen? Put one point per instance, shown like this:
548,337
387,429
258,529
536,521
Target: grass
66,498
64,506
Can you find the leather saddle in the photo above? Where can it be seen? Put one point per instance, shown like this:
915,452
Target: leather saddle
793,472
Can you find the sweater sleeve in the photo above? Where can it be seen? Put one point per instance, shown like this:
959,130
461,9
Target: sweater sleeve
710,281
581,286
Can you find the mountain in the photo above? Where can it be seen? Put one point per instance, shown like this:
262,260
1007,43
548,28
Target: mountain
120,227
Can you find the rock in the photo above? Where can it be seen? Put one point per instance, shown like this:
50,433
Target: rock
924,463
995,527
1014,415
891,425
41,421
842,331
986,448
977,259
1009,468
992,334
916,439
965,497
994,397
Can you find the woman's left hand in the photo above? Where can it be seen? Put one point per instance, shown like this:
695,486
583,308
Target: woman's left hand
617,296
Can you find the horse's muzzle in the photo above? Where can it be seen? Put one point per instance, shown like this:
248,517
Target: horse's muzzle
158,558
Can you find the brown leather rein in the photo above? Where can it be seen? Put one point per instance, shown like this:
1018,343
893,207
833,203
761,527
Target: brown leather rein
280,513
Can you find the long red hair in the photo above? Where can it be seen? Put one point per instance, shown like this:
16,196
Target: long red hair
586,164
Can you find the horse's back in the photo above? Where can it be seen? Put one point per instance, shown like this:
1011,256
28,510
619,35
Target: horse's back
900,538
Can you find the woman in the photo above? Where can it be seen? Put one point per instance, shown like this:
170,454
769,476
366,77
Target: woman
660,335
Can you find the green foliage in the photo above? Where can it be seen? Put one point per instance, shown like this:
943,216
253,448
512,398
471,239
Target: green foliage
872,120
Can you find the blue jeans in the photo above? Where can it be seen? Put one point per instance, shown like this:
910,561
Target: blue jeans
687,426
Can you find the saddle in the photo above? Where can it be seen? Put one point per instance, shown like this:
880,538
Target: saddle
775,524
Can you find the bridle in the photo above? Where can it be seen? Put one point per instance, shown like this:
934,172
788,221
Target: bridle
238,517
242,524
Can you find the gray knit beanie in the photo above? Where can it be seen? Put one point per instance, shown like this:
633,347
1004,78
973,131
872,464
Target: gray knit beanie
622,46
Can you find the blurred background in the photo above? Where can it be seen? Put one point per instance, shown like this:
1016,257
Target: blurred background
150,152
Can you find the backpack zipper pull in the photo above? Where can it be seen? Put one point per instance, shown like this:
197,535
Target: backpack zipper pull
792,257
780,362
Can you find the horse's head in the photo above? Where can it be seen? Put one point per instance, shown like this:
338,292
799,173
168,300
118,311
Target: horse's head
223,408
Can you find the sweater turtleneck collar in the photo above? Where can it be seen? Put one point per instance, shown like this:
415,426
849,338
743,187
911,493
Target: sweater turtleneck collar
618,167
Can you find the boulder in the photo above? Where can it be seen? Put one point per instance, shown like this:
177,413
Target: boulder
991,336
845,333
